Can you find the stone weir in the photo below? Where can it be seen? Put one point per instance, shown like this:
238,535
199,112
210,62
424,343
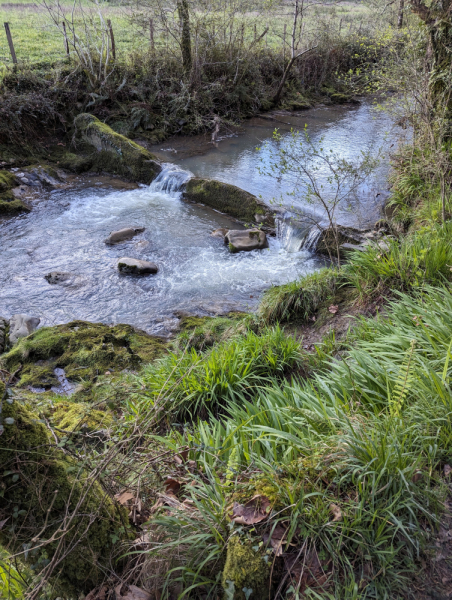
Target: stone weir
106,150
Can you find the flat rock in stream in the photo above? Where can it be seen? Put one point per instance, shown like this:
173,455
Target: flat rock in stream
220,233
22,325
245,241
134,266
123,235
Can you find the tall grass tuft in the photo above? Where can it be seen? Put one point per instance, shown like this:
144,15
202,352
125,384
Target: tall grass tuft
298,299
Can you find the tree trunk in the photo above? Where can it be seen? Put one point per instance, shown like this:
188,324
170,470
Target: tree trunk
437,19
400,15
184,16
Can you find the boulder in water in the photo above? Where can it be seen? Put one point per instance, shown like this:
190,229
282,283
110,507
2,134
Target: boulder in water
134,266
22,325
227,198
123,235
246,240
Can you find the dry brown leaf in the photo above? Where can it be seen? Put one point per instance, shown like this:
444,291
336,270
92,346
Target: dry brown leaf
98,593
306,571
417,477
125,498
3,522
277,539
447,470
254,511
172,486
333,308
131,592
337,513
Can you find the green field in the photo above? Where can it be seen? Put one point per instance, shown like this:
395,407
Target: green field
37,40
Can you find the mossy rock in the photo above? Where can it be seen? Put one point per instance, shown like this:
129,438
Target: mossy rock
84,350
9,205
245,569
44,491
7,181
226,198
114,152
80,416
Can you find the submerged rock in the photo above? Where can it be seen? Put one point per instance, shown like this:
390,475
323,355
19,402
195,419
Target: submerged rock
114,152
136,266
226,198
245,241
123,234
22,325
55,277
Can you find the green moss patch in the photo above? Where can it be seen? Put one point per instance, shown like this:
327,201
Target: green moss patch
76,416
40,488
225,197
245,572
114,152
85,351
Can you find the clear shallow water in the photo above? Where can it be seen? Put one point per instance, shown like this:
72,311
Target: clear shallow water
196,271
66,229
346,129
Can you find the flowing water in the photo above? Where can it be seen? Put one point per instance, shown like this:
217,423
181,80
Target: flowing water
66,228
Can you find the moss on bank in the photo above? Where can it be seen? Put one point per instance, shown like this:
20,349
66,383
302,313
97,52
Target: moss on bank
85,350
9,205
245,572
114,152
203,332
50,503
226,198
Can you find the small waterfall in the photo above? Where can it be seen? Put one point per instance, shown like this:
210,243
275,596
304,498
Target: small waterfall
295,235
170,180
311,240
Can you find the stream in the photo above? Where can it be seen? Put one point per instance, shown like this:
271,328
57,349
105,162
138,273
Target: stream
197,274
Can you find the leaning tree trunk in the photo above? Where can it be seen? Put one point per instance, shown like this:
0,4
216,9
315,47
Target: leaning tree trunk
400,14
184,16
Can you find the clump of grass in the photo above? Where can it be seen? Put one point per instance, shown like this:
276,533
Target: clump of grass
191,383
203,332
424,257
350,461
299,299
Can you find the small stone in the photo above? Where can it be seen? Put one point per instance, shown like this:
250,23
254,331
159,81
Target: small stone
55,277
123,235
21,325
245,241
135,266
220,233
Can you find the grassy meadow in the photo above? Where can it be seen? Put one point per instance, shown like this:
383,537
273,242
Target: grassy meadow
36,39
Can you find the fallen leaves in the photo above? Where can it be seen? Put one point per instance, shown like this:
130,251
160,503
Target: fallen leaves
138,515
254,511
172,486
131,592
307,571
337,513
276,538
333,309
447,470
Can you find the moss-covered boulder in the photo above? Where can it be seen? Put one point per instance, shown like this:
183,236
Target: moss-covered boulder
227,198
113,152
9,205
84,350
52,508
246,574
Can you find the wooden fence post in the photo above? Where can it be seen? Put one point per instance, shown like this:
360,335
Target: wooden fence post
10,43
151,33
112,37
66,43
